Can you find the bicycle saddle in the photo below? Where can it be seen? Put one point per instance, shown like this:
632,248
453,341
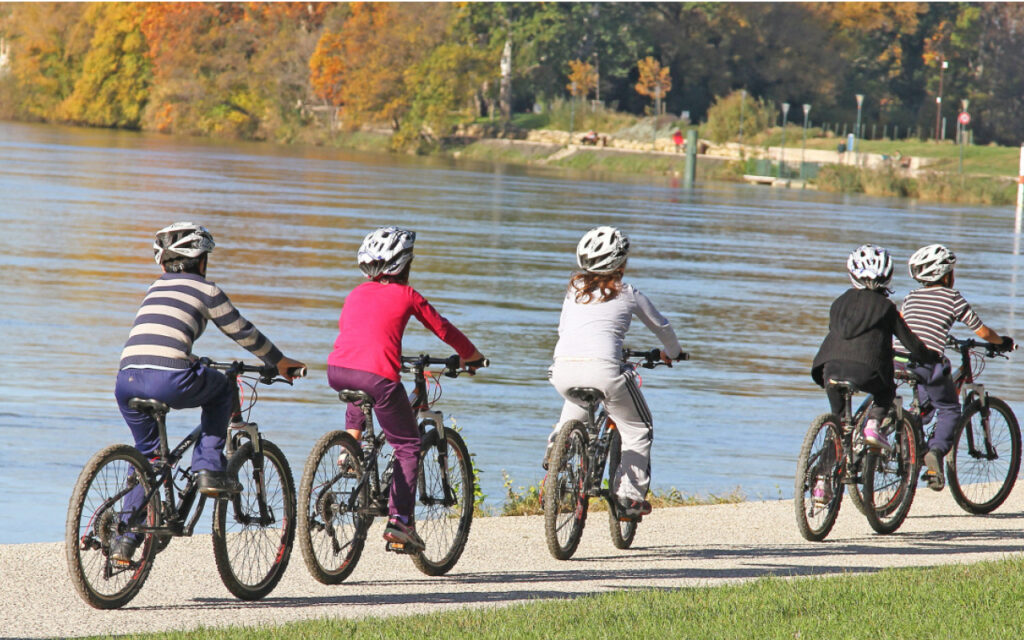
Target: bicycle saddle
148,405
842,385
354,396
587,395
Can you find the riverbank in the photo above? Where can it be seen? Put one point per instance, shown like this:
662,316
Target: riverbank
506,562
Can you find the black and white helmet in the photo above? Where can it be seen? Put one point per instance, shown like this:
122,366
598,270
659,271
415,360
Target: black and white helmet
181,240
386,251
602,250
929,264
870,267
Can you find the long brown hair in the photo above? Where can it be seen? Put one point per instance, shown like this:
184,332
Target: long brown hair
589,287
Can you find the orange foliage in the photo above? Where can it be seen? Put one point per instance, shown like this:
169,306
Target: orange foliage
583,76
655,80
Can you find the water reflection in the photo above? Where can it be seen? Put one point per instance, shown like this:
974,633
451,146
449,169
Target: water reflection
746,275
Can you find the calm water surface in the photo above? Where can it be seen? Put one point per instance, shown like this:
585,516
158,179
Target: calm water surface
745,274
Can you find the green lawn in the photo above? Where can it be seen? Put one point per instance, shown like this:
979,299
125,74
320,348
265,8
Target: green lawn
980,601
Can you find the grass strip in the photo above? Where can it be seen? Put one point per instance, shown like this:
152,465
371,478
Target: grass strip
979,600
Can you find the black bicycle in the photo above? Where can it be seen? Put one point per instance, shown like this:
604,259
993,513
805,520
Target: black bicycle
576,470
345,486
252,531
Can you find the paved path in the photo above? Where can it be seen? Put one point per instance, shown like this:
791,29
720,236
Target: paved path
507,561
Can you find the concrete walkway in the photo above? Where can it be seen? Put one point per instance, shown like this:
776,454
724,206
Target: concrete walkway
506,562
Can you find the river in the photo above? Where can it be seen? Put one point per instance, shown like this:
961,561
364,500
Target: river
746,275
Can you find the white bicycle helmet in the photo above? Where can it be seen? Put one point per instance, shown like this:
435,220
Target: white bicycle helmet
386,251
870,267
182,240
602,250
929,264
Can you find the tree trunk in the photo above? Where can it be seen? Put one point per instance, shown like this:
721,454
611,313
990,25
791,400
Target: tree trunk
506,81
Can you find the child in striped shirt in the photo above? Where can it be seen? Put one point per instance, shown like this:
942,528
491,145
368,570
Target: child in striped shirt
930,312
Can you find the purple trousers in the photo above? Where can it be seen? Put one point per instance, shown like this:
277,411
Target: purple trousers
396,420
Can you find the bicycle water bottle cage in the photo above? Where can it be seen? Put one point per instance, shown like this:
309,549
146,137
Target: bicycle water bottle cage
354,396
586,395
148,406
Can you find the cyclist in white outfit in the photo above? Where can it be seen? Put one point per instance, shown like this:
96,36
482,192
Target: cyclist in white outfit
596,314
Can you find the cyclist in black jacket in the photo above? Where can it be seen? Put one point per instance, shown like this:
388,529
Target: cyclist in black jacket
858,347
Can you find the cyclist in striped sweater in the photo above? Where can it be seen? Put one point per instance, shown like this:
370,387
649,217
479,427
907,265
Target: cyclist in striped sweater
930,312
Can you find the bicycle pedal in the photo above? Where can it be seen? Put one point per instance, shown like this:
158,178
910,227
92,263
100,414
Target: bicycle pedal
398,547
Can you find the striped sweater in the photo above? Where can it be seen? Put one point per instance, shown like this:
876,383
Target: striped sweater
174,314
930,313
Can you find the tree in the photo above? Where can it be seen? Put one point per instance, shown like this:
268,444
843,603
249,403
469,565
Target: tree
655,81
582,78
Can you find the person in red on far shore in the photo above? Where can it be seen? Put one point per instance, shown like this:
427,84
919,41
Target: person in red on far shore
677,138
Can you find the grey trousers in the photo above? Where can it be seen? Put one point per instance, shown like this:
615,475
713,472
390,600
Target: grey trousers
626,406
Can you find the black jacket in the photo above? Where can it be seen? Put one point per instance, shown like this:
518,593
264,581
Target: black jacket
861,325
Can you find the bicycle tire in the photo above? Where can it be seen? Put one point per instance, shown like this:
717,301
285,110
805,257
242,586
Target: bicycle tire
890,480
332,536
565,499
821,458
622,531
981,471
252,555
443,521
93,522
859,418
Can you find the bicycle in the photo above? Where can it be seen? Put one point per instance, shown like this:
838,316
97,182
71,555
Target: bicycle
345,486
987,426
831,458
576,467
251,543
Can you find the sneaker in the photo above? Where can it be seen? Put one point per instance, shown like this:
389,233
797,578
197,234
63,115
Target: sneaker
123,549
874,437
217,484
633,509
346,465
933,475
399,533
820,493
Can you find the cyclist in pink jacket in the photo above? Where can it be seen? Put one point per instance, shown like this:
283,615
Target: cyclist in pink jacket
367,357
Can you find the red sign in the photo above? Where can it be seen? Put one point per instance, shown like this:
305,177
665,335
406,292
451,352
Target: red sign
964,118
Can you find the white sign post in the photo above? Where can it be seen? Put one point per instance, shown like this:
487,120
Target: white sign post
1020,191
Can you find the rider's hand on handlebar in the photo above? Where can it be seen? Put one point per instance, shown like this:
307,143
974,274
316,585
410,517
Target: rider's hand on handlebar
290,369
1007,344
473,362
664,358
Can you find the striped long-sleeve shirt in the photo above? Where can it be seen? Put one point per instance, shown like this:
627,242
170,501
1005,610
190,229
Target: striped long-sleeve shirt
930,313
174,314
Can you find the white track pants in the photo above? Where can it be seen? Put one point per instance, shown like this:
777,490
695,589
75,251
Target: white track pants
627,407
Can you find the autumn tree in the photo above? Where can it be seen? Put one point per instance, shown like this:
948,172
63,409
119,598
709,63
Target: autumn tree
654,81
582,78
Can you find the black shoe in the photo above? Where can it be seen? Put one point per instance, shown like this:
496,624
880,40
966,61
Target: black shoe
217,484
633,509
933,475
122,550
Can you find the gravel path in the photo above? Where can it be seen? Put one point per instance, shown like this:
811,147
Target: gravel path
507,561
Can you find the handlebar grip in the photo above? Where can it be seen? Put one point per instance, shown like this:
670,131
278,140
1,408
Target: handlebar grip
479,364
297,372
683,356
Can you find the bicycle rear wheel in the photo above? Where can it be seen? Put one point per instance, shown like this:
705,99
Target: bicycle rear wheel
565,498
890,480
623,531
96,516
444,509
982,470
331,530
253,531
819,467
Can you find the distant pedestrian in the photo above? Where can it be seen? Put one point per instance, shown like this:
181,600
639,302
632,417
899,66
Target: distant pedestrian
677,138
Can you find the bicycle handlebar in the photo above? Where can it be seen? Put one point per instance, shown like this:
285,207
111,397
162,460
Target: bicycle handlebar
652,358
451,364
268,373
991,350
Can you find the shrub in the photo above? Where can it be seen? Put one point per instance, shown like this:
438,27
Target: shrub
723,122
839,178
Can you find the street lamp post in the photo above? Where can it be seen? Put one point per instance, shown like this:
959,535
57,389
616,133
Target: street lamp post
782,151
860,104
938,98
803,150
572,111
743,100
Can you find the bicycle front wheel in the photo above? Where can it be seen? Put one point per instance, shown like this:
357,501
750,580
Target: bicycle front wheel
818,490
331,531
565,497
97,515
890,480
982,466
444,510
623,531
253,531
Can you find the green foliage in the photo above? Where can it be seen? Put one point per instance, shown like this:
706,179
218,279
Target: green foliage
723,123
